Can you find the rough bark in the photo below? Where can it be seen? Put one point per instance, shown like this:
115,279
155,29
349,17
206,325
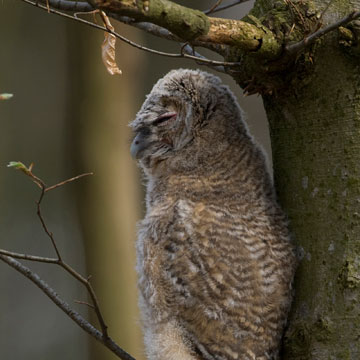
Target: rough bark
315,124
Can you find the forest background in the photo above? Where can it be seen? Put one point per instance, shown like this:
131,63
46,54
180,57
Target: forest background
69,116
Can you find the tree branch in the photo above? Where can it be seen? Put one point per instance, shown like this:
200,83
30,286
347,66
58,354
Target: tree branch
49,188
217,7
68,5
29,257
86,282
193,25
64,306
187,49
156,30
169,20
301,45
172,21
85,7
212,9
186,23
201,60
8,256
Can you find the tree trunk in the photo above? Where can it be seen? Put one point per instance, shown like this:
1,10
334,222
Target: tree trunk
315,128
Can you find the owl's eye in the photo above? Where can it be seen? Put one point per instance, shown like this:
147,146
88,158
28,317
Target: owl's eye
165,119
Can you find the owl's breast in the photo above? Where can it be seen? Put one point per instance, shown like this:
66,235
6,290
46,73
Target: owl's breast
203,261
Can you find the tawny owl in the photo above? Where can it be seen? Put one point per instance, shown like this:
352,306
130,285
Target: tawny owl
214,259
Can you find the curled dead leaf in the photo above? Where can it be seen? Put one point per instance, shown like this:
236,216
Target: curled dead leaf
108,48
6,96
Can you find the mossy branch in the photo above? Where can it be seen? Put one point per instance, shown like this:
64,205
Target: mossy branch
193,25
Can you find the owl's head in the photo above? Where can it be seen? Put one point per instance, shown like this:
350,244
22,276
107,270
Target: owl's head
187,116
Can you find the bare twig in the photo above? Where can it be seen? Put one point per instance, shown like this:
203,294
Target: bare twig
290,3
186,48
217,8
58,261
64,306
48,233
212,9
299,46
325,10
204,61
72,272
67,181
84,303
29,257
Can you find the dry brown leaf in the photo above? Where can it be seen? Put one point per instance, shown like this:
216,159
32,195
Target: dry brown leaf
108,48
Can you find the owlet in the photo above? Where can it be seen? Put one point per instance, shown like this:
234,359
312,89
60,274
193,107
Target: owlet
214,260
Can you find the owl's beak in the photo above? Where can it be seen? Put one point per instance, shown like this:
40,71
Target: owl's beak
140,142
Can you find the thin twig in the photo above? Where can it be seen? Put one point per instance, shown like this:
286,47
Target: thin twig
190,50
64,306
84,303
91,291
325,10
41,184
48,233
223,7
295,48
29,257
72,272
132,43
212,9
67,181
58,261
289,2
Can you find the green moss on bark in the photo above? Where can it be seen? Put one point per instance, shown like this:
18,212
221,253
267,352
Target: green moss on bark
316,140
288,20
182,21
349,276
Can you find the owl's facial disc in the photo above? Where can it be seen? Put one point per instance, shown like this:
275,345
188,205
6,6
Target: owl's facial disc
153,134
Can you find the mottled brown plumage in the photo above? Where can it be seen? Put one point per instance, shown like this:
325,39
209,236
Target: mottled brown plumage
214,259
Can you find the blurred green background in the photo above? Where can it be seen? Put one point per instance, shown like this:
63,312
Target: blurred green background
69,116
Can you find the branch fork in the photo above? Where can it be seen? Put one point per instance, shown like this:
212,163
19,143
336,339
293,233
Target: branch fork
9,258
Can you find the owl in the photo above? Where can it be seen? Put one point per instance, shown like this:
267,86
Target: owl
214,259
